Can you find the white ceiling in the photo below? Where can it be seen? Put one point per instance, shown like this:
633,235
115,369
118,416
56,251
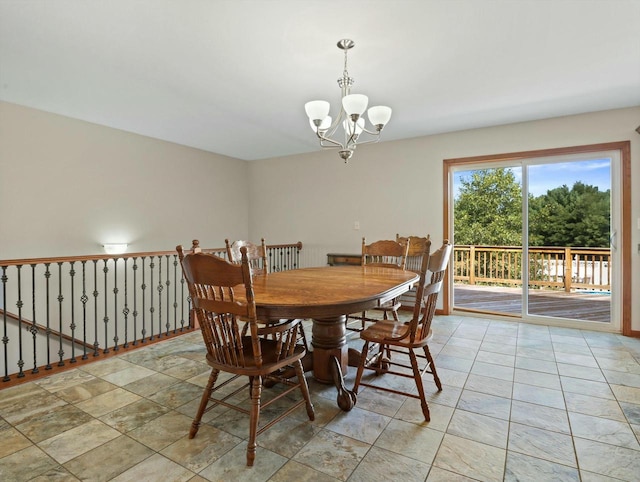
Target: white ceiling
232,76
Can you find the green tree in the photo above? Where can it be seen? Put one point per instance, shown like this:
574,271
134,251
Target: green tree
574,217
488,208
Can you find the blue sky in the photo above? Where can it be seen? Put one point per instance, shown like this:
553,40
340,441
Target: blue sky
543,177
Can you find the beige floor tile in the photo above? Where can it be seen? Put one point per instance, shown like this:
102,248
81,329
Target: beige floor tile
90,389
538,395
598,407
332,454
232,465
480,428
294,471
603,430
359,424
206,447
26,464
12,441
381,464
410,440
134,415
77,441
523,467
543,444
162,431
108,402
539,416
155,468
484,404
49,424
113,457
64,380
610,460
471,459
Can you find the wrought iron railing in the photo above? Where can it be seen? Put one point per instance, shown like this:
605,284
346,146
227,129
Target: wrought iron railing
562,268
56,312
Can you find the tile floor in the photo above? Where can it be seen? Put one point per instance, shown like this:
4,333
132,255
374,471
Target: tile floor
520,402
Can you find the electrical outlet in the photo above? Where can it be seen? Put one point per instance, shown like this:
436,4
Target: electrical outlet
356,225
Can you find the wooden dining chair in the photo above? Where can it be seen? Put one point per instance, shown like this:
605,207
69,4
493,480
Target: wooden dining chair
256,254
417,248
222,293
393,338
385,254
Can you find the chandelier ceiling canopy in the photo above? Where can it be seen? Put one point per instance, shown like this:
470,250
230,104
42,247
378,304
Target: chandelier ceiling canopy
349,127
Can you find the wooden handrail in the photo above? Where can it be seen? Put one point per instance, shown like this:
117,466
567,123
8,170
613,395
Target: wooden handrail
553,267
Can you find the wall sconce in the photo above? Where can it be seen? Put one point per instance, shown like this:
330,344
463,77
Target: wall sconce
115,248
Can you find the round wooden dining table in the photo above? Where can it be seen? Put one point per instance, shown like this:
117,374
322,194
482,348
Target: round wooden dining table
327,295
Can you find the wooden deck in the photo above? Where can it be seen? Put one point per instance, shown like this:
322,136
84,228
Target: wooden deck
576,306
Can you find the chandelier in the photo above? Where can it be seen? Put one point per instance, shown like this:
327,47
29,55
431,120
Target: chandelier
350,124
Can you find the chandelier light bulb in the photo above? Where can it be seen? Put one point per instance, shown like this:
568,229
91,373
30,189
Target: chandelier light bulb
379,115
355,104
317,110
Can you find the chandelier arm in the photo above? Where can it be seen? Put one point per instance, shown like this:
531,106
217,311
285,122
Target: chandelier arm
370,141
372,133
322,138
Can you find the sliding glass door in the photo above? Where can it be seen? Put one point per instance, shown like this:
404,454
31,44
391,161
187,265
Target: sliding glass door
536,238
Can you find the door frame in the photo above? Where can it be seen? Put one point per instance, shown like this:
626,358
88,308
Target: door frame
624,149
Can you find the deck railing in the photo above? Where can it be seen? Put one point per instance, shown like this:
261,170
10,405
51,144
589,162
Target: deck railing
56,312
561,268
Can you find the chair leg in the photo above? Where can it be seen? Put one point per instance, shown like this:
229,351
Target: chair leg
364,316
204,401
432,367
418,379
303,337
363,360
305,390
256,392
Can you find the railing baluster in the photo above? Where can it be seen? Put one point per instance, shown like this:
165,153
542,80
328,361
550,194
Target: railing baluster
135,301
95,293
19,305
175,293
5,337
60,300
83,299
144,288
125,310
115,304
34,328
182,297
105,350
151,308
160,288
168,284
47,276
72,274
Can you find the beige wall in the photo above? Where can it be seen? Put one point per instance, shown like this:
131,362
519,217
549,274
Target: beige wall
397,186
67,187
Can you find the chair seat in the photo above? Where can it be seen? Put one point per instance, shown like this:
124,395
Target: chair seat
388,332
270,361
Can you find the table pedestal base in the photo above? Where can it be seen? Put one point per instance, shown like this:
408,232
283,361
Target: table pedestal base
331,356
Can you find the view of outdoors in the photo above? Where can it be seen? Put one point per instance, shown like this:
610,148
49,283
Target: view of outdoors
568,229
